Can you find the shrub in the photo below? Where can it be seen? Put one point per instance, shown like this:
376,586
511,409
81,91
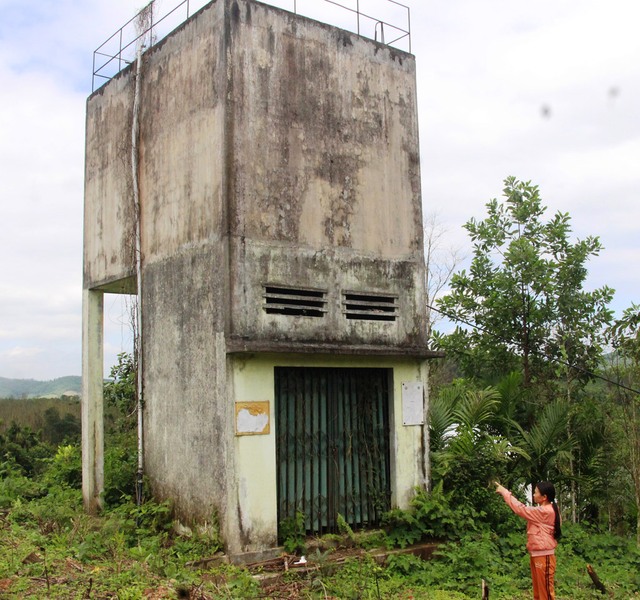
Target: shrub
23,447
120,468
293,533
432,516
14,484
65,468
53,512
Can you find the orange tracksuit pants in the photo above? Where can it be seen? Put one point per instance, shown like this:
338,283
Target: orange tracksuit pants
543,570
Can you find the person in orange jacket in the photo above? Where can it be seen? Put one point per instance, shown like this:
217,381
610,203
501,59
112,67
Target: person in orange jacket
543,532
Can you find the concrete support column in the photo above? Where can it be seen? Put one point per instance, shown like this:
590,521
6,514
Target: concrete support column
92,400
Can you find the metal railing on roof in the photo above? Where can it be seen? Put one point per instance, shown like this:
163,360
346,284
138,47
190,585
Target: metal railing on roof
119,50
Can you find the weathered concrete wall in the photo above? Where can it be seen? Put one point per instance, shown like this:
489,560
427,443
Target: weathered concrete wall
324,179
182,137
188,430
109,224
181,153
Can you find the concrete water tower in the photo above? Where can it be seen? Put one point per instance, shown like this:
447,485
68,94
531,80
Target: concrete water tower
281,272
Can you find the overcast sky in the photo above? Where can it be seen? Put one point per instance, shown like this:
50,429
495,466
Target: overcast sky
547,91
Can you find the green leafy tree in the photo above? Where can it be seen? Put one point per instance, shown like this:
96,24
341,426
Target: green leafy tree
522,306
120,392
121,437
21,447
57,429
523,295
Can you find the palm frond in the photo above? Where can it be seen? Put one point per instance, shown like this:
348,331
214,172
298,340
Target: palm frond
441,415
477,407
510,390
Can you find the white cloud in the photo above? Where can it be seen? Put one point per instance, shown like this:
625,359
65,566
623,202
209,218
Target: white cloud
485,72
20,353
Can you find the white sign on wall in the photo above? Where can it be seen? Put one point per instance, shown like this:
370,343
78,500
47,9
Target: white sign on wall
252,418
412,403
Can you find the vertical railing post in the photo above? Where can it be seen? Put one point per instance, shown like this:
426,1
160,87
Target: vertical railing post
120,52
409,27
153,3
358,14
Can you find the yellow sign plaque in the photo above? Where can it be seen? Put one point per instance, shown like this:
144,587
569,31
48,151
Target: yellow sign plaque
252,418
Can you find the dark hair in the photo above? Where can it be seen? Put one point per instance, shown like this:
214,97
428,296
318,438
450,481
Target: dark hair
547,489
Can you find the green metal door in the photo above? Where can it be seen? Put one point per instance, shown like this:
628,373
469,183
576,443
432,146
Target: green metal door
332,445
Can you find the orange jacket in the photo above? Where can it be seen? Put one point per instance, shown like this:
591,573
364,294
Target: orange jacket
540,524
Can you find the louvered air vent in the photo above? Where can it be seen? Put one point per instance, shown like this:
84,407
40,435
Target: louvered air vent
369,307
294,301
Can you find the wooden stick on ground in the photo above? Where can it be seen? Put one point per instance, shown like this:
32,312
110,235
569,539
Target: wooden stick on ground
596,580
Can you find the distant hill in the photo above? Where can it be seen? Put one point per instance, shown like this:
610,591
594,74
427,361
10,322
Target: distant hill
30,388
